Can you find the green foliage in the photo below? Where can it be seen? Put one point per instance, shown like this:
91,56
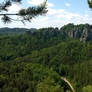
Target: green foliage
35,61
87,88
49,85
24,77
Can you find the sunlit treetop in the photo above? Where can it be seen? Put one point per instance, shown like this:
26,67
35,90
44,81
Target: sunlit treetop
23,14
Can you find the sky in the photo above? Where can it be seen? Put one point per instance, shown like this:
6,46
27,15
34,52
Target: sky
60,12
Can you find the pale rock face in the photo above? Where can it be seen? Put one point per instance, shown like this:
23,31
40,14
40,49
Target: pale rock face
84,33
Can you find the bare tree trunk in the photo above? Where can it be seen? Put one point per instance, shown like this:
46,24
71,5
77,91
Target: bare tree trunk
69,84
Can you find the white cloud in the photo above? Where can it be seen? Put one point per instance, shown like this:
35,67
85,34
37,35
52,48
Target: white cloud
14,8
60,17
53,12
54,17
38,2
67,4
50,4
35,2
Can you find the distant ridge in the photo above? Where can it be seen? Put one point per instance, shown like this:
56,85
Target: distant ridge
7,30
83,32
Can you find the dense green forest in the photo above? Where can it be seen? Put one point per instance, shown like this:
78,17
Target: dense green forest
34,60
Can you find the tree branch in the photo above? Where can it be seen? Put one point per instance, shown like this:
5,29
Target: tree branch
8,14
24,14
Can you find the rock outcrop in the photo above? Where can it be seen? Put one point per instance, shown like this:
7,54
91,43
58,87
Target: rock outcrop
82,31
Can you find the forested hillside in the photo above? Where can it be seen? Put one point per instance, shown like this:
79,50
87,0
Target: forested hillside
83,32
35,60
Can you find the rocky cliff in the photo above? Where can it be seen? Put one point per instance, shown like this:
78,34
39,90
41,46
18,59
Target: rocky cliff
82,31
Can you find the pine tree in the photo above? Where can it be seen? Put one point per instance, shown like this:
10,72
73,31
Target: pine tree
90,3
24,14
